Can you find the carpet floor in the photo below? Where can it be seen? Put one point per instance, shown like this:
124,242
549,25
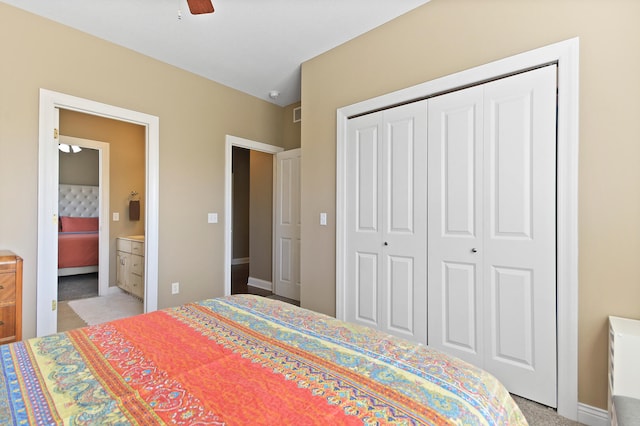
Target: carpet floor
537,414
97,310
79,286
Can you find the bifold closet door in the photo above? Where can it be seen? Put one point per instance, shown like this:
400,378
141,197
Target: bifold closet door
492,234
387,221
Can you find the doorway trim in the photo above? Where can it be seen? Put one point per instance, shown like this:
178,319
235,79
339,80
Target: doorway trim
566,55
230,142
50,103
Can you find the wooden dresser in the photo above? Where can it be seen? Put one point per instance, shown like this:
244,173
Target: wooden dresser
10,297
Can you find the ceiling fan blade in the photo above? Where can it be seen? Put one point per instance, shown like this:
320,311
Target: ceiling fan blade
197,7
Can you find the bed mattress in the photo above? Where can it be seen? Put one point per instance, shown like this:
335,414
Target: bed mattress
242,360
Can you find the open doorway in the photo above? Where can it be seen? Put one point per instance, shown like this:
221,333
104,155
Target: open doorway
84,173
259,219
51,103
252,218
80,238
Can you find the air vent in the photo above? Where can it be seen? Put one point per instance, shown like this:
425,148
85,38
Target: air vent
297,115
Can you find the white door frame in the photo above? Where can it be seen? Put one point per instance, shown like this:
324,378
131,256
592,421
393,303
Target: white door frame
103,206
230,142
566,55
50,102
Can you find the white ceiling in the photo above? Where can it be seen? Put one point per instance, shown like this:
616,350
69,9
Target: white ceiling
254,46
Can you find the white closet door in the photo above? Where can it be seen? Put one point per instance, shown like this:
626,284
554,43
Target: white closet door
520,233
386,221
492,278
287,224
455,224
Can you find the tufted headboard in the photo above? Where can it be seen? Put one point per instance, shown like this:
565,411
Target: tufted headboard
78,200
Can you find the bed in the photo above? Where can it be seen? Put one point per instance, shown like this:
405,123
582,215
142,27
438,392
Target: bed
78,239
242,360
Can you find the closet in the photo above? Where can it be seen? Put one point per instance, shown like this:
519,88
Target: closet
451,226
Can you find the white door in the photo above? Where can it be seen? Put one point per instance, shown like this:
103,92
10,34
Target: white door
492,236
47,291
386,221
287,224
455,227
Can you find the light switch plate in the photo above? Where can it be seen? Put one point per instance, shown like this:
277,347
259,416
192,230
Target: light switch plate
212,218
116,216
323,219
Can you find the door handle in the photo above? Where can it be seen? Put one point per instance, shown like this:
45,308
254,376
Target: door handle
386,243
474,250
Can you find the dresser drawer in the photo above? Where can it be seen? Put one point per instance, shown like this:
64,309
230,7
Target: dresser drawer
7,323
137,247
7,265
7,287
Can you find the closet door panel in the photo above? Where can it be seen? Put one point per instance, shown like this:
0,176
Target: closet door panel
455,227
366,189
387,221
404,285
363,224
399,183
511,294
460,325
399,295
520,243
510,180
366,288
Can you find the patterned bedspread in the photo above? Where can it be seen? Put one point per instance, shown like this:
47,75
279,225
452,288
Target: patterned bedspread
241,360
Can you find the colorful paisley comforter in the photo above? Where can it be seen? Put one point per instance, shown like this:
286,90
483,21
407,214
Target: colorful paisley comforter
241,360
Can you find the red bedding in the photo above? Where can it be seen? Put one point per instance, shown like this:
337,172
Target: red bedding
76,249
242,360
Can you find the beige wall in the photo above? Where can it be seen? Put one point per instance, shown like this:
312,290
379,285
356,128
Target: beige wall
260,215
127,159
291,130
445,36
80,168
195,115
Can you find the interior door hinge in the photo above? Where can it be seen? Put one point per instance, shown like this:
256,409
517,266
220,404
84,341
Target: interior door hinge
55,133
54,305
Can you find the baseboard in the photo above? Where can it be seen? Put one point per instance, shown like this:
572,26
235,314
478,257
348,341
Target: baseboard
592,416
240,261
65,272
263,284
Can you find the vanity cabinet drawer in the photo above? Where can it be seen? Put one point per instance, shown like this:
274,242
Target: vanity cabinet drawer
137,248
137,264
123,245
